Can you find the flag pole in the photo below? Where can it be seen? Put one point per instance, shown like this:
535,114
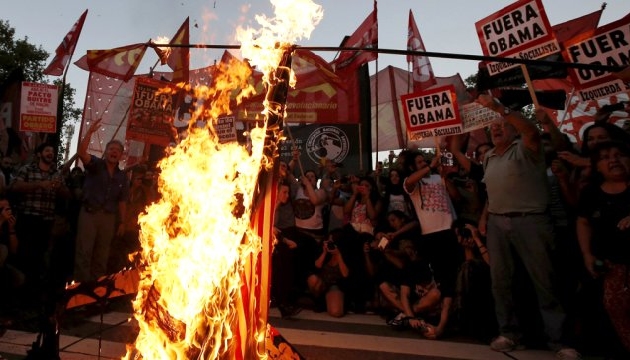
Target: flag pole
375,94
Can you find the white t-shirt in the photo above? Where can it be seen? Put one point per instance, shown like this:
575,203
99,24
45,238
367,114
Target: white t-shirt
316,221
432,204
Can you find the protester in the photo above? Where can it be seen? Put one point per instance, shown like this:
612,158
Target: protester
105,194
129,242
429,194
519,225
425,307
331,271
10,276
308,205
37,186
286,259
603,230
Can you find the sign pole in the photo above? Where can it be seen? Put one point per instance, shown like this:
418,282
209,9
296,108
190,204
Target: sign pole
530,86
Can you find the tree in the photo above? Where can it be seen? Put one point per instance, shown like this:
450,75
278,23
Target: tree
18,55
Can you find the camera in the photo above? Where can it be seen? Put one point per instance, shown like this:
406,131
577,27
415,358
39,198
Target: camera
599,267
464,232
447,159
331,246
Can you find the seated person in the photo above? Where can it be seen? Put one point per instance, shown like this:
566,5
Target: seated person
426,309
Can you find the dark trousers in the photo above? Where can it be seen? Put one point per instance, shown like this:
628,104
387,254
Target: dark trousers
34,236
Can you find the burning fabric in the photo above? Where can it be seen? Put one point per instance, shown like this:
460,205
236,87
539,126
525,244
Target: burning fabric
203,292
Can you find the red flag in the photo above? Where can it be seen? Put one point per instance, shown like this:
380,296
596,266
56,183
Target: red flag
66,48
422,73
120,63
583,26
179,57
365,36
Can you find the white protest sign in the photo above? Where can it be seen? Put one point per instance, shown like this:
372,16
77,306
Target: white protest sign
476,116
520,30
38,107
225,128
610,45
432,113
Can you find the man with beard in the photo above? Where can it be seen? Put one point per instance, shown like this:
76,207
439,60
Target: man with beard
105,192
36,186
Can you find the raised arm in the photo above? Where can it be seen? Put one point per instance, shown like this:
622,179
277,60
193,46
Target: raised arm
529,132
82,149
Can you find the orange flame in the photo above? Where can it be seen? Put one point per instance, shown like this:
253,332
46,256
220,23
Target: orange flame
197,239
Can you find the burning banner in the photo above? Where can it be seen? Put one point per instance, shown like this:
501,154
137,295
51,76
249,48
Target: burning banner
205,268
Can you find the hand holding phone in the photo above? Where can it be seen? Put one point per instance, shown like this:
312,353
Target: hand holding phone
382,244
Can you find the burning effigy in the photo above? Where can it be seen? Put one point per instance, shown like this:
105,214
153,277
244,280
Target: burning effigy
203,291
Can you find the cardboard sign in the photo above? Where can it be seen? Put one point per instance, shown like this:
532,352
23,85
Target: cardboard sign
610,45
38,107
432,113
476,116
520,30
225,128
152,112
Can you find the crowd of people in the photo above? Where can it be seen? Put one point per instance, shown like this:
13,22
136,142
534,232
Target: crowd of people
525,241
65,224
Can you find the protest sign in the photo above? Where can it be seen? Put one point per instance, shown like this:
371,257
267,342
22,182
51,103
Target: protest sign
38,107
432,113
520,30
610,45
152,112
225,128
476,116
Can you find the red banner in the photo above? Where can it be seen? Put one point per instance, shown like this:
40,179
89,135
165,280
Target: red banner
365,36
66,48
120,63
179,57
422,74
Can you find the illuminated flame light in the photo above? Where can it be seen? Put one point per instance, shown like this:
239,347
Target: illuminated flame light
198,238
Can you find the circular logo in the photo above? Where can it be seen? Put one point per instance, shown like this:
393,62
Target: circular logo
327,142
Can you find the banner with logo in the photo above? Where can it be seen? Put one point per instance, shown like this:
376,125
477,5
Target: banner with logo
520,30
335,142
38,107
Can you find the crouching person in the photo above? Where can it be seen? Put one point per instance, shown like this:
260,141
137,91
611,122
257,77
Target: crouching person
331,273
425,307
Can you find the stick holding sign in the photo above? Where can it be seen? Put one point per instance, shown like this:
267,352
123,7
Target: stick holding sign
530,86
288,129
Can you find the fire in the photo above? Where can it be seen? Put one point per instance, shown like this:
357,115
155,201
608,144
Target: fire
198,239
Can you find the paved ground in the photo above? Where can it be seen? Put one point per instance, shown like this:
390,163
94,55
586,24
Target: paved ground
316,336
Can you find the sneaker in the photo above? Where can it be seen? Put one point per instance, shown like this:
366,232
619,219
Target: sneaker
502,344
397,320
568,354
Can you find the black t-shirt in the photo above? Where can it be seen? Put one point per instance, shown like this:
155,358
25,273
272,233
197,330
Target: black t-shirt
604,211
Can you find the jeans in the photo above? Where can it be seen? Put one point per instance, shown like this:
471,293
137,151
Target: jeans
529,237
